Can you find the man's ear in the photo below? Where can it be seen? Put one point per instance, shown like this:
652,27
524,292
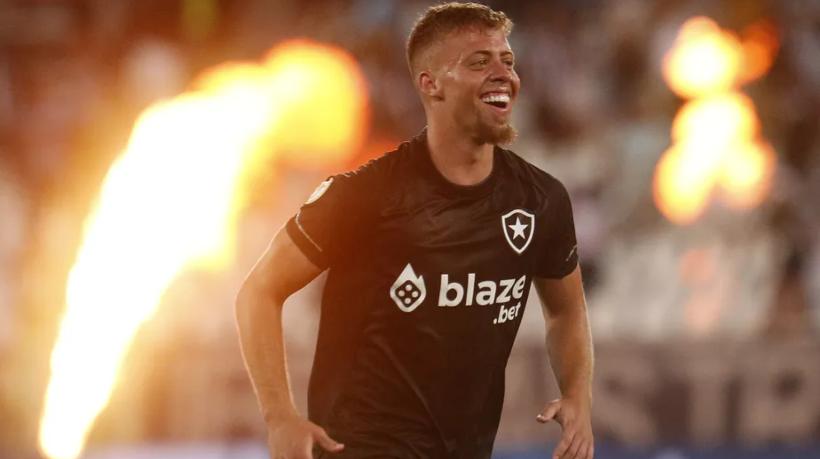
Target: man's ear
429,85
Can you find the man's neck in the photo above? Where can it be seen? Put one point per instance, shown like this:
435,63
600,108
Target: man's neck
458,158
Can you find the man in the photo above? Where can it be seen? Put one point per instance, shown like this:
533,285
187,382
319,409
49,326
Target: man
431,251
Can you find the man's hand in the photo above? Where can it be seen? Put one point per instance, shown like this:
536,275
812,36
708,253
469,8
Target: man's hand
574,419
295,437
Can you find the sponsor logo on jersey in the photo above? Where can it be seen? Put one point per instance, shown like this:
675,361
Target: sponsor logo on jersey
484,293
408,291
319,191
519,227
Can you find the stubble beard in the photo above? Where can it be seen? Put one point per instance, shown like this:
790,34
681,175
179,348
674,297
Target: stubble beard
483,132
494,135
490,131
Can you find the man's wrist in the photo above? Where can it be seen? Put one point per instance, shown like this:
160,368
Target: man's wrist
580,395
274,418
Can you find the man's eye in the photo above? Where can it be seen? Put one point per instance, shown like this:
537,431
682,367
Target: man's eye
480,62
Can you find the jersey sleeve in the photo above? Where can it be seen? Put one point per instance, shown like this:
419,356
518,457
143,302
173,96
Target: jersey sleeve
559,252
336,218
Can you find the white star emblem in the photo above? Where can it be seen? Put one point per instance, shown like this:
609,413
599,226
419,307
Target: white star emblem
518,229
523,230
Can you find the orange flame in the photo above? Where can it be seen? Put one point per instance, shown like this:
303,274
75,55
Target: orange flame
682,186
746,175
170,202
718,120
704,59
717,150
760,46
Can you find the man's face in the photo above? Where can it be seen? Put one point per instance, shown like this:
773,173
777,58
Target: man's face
478,83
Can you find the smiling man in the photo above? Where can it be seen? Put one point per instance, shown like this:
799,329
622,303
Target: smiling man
431,251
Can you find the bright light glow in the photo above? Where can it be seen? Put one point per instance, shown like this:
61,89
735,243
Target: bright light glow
704,60
718,120
717,151
170,203
746,175
681,186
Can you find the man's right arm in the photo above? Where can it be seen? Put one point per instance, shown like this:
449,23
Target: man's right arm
282,270
334,222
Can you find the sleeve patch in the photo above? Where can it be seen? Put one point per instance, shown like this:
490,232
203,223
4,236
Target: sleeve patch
319,191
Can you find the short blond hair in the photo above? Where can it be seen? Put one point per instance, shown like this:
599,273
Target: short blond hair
441,20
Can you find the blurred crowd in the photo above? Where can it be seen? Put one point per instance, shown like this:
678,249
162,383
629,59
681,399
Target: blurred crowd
594,111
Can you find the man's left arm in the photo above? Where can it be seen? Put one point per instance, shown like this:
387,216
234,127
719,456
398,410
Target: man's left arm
569,345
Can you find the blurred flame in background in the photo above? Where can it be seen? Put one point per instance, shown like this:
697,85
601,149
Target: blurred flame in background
717,149
170,202
704,60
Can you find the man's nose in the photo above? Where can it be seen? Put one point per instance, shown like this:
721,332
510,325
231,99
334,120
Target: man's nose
501,72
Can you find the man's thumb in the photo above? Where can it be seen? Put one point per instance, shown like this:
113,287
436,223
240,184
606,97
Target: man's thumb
549,412
326,442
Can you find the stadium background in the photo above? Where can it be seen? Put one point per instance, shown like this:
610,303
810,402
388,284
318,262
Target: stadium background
706,331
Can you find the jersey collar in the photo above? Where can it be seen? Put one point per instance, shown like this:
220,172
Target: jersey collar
420,150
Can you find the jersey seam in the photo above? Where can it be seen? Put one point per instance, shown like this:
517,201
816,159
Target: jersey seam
299,225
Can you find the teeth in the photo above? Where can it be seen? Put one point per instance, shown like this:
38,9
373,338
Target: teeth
496,98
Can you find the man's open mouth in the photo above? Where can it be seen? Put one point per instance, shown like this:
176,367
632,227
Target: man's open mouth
499,100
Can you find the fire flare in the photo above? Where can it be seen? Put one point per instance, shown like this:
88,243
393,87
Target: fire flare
170,201
717,150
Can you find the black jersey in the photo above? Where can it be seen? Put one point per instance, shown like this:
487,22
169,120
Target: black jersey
426,288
